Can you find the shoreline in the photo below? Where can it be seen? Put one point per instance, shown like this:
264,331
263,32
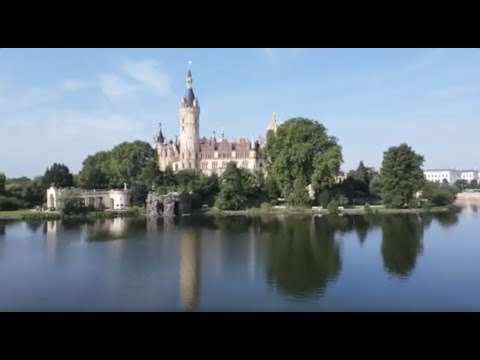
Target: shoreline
347,211
41,216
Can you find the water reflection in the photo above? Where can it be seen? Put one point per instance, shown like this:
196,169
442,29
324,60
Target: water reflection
303,256
192,263
189,270
3,226
401,244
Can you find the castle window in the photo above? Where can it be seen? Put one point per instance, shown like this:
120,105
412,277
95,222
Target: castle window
214,165
245,164
204,165
224,165
183,156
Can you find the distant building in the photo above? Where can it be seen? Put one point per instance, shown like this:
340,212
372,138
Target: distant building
437,175
206,155
106,199
470,175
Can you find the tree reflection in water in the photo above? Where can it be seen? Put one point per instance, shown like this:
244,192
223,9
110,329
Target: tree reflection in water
303,256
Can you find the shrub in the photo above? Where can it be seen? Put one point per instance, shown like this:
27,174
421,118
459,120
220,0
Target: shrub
367,208
333,207
343,200
427,206
442,197
10,204
324,198
265,206
414,204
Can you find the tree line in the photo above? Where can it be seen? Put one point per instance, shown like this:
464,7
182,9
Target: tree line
301,160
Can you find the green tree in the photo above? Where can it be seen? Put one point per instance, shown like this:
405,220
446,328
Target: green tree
473,184
273,192
234,188
361,173
442,197
125,163
402,175
375,187
3,179
324,198
302,147
299,196
59,175
461,184
139,193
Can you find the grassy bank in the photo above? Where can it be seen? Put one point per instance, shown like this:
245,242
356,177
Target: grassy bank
353,210
13,215
35,215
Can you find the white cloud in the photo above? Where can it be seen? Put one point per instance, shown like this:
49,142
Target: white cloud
113,86
148,74
75,85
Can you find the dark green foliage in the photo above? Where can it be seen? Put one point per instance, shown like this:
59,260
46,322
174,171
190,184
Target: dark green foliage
239,189
333,207
414,204
273,191
3,179
439,194
125,163
139,193
361,173
75,206
299,196
402,175
473,184
442,197
461,184
342,200
375,187
9,204
324,198
59,175
302,147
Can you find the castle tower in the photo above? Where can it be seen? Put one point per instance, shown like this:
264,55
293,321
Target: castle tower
189,128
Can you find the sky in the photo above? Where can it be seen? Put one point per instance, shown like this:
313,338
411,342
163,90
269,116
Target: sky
60,105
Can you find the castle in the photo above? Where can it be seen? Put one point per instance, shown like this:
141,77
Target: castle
205,155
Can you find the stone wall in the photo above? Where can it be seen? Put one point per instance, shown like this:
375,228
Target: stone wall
172,204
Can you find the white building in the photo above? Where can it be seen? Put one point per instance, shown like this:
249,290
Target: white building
438,175
470,175
107,199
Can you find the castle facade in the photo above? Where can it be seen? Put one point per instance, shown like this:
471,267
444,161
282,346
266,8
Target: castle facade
205,155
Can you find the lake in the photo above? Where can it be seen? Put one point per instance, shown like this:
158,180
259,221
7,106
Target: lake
421,262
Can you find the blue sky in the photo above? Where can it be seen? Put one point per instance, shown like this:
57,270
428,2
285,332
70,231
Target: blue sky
59,105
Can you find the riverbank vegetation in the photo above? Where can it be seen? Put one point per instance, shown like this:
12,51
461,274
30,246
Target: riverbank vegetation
302,170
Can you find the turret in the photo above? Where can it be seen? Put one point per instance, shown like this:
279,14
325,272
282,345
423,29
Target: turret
189,127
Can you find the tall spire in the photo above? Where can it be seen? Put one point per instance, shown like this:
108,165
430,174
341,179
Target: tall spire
189,97
160,137
189,75
274,124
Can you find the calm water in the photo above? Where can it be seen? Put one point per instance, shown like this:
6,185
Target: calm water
427,262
